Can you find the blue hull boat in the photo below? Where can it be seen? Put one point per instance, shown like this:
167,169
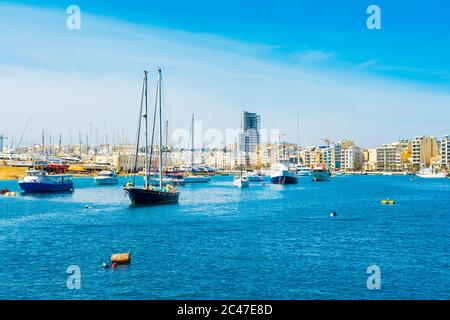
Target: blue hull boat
281,175
151,195
31,187
284,180
39,181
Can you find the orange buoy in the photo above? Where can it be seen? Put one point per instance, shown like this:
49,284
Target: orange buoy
121,258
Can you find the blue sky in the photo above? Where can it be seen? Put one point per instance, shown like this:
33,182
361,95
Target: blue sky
273,57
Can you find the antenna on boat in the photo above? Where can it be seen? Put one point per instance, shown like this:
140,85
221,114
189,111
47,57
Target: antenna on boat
192,142
146,130
298,140
160,131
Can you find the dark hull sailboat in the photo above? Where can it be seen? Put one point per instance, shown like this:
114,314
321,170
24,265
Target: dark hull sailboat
141,196
147,194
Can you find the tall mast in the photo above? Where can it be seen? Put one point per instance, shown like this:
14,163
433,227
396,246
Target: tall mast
138,133
43,143
192,142
146,132
160,131
60,144
79,142
298,141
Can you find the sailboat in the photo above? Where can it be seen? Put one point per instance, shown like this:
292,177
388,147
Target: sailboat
193,178
241,181
301,169
148,194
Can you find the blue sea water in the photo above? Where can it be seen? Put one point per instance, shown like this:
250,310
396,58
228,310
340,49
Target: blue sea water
219,242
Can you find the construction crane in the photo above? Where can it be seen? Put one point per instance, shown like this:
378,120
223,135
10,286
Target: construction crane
327,141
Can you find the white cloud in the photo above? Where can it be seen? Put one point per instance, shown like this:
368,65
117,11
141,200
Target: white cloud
314,56
66,79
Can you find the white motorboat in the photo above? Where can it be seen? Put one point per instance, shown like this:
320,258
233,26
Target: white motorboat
106,177
253,176
303,171
428,173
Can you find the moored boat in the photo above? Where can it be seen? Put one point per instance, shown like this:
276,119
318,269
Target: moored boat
37,181
148,194
152,195
241,182
106,177
303,171
428,173
253,176
320,173
280,174
196,179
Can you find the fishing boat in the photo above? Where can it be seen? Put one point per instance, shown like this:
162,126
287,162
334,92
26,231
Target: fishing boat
37,181
106,177
280,174
320,173
149,194
303,171
429,173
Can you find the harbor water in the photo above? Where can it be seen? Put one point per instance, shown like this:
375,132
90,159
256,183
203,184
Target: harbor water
220,242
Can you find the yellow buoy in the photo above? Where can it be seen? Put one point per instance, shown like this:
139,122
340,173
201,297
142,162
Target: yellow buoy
387,201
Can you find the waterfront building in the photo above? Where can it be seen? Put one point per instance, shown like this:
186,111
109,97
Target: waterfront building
445,151
249,137
306,156
425,151
337,156
124,161
352,158
328,156
221,159
369,159
389,157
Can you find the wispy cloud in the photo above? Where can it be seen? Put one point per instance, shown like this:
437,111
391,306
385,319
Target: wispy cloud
366,64
314,56
93,75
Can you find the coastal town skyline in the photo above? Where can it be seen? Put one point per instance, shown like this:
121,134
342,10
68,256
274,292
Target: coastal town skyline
336,94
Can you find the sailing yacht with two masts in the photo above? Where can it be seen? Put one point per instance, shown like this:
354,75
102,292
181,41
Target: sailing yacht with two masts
148,194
